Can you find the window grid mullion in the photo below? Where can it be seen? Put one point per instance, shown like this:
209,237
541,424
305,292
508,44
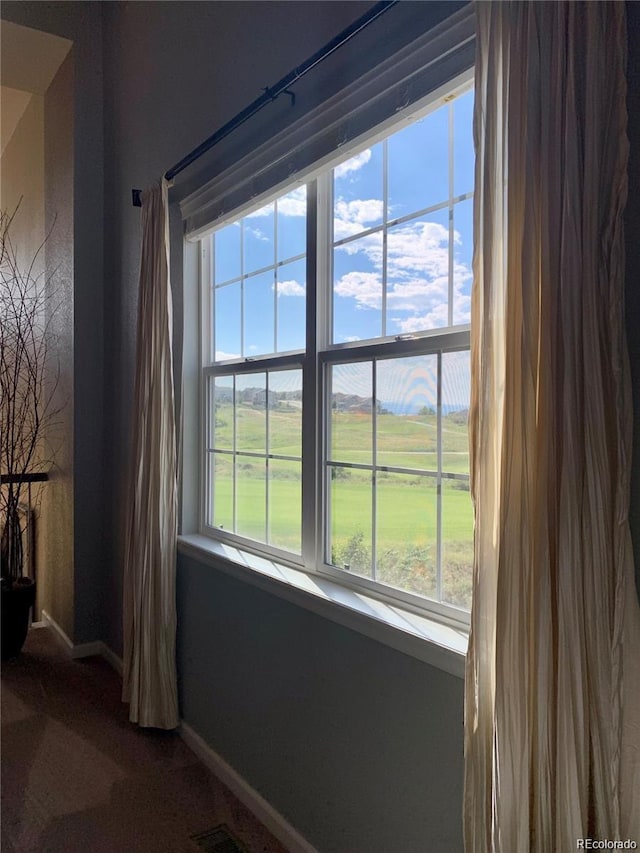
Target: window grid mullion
408,217
211,336
242,289
439,482
374,477
275,277
235,457
326,443
250,454
385,232
209,470
323,267
267,488
450,282
260,270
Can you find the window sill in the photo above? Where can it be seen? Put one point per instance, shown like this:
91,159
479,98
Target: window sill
418,636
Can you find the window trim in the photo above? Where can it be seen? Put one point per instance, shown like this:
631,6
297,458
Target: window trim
456,339
321,353
429,640
451,70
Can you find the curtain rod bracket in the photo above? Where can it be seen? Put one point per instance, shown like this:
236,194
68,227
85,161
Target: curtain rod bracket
274,94
136,198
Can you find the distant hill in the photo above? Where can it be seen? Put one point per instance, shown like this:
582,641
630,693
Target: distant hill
340,402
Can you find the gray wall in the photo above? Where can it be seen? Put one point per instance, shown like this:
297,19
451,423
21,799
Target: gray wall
358,745
82,590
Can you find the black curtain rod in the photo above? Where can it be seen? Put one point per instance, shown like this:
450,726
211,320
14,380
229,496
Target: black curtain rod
280,88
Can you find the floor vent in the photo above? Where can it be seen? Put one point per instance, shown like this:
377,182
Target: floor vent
218,840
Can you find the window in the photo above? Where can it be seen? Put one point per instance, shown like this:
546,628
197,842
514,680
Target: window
336,366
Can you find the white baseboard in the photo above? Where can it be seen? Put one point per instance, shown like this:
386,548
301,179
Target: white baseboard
255,802
111,657
81,650
50,622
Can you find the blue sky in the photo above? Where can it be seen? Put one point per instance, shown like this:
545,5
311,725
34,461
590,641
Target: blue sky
423,279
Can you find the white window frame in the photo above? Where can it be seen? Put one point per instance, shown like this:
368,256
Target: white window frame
321,353
421,71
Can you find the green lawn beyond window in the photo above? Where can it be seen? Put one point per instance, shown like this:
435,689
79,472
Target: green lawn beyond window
406,503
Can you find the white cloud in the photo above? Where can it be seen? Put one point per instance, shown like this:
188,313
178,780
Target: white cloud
294,203
257,234
417,276
360,211
436,317
221,355
290,288
267,210
364,287
353,164
351,217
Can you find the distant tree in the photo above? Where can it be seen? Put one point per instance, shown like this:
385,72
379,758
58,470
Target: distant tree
426,410
460,417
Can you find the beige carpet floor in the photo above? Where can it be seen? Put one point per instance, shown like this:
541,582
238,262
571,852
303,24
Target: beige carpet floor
77,776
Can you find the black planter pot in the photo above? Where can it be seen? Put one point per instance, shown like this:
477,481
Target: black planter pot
17,601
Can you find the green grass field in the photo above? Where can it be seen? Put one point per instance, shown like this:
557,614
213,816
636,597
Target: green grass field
406,504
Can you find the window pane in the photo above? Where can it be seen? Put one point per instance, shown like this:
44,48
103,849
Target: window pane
358,193
285,501
418,274
251,505
227,253
291,288
463,152
251,412
259,325
292,224
406,532
463,260
457,543
222,414
258,232
351,392
285,412
350,519
406,428
386,414
357,289
455,411
418,158
227,314
222,477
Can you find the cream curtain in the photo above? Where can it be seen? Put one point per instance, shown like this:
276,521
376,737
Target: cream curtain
149,678
552,694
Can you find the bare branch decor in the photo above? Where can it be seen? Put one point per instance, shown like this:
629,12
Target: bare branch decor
29,373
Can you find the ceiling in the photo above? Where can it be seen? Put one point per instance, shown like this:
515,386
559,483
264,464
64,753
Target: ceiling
29,62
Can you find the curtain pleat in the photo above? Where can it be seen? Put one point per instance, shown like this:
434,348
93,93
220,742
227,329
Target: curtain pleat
552,705
149,672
